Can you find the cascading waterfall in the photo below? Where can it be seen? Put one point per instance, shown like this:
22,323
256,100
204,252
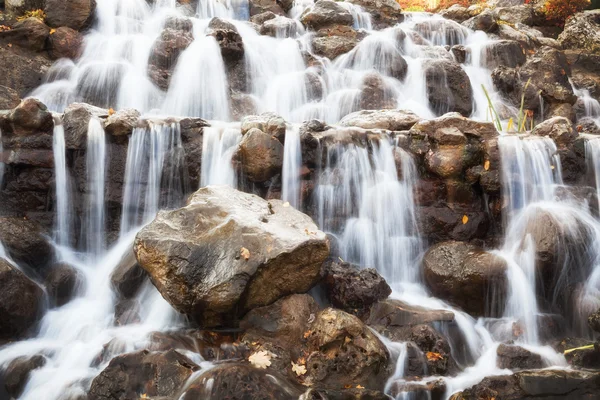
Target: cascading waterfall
218,146
94,219
292,162
63,216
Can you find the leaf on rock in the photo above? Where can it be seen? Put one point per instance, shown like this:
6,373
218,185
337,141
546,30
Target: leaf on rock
260,359
486,165
111,111
52,31
298,369
465,219
360,387
245,253
431,356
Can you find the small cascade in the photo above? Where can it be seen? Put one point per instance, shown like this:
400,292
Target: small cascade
148,187
63,218
362,19
93,226
2,166
292,162
218,146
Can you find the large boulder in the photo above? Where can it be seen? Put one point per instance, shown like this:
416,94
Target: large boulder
520,14
25,242
62,283
333,41
385,12
9,98
19,7
22,71
448,87
165,52
508,53
30,33
154,374
65,42
582,31
20,302
76,120
393,120
17,373
262,6
260,155
128,276
326,13
465,275
516,357
75,14
559,129
343,351
375,94
228,38
227,252
122,122
30,117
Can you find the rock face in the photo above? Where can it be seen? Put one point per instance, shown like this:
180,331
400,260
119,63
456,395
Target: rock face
582,31
558,129
62,282
352,289
22,70
20,301
76,120
342,350
24,241
465,275
448,88
17,373
515,357
30,33
155,374
227,252
75,14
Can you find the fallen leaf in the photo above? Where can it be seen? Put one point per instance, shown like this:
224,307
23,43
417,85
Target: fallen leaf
486,165
307,334
465,219
111,111
298,369
347,339
347,386
245,253
360,387
52,31
260,359
10,45
144,396
431,356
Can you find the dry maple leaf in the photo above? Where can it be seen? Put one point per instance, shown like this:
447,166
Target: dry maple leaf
245,253
431,356
260,359
298,369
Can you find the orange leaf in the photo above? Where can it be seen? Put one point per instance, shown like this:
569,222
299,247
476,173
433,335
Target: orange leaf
465,219
486,165
431,356
52,31
111,111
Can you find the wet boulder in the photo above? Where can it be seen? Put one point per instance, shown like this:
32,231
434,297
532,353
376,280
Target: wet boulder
456,12
260,155
167,48
62,283
508,53
391,314
21,70
30,117
262,6
228,38
30,33
384,12
75,14
76,120
128,276
334,41
279,27
484,21
267,122
465,275
519,14
515,357
343,351
448,87
582,32
17,373
393,120
153,373
326,13
25,242
352,289
227,252
558,129
375,93
240,381
122,122
429,352
20,302
442,32
65,43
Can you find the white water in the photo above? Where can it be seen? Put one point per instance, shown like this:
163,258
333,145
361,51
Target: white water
63,216
219,143
292,163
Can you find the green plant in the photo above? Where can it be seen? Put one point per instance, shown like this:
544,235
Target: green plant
492,110
521,116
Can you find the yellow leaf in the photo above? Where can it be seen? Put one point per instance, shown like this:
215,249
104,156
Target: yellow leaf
510,125
10,45
486,165
52,31
298,369
360,387
307,334
111,111
431,356
245,253
144,396
260,359
465,219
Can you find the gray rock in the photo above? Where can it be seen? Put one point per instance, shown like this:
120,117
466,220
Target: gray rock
393,120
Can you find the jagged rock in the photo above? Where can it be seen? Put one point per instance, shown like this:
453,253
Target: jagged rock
65,43
508,53
76,120
228,252
228,38
122,122
584,358
582,31
464,274
393,120
326,13
127,276
17,373
352,289
20,302
343,351
521,14
428,341
75,14
62,283
22,70
563,384
155,374
558,129
30,117
262,6
385,12
9,98
456,12
485,21
515,357
237,380
25,243
448,87
260,155
30,33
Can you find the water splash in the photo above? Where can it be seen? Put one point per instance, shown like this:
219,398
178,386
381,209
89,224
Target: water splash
292,163
218,146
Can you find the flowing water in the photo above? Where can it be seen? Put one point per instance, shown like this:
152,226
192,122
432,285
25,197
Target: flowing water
364,196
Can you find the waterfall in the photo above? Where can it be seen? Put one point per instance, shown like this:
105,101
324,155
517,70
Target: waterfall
63,188
2,165
93,230
218,146
292,162
150,151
